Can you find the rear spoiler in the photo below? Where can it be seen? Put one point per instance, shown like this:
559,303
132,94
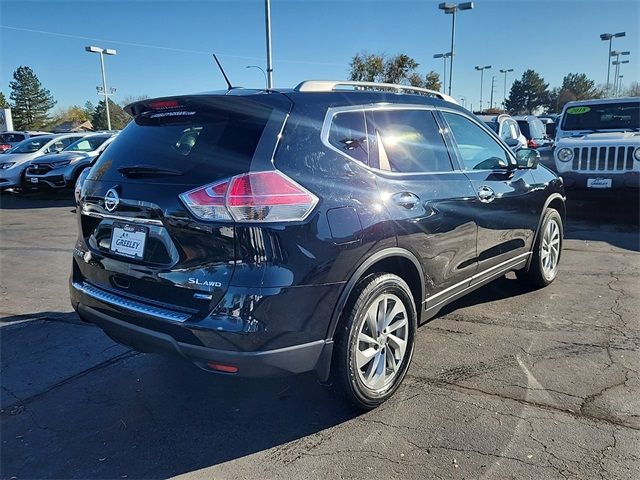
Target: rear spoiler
218,100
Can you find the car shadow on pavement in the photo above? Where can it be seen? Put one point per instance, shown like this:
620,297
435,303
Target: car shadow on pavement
499,289
15,200
625,236
133,415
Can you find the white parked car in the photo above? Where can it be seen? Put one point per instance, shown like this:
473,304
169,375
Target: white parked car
598,144
14,163
507,129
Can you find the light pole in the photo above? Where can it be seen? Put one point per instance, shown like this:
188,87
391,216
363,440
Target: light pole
267,19
105,92
620,77
444,57
451,9
504,92
609,37
481,70
617,64
464,102
263,72
616,83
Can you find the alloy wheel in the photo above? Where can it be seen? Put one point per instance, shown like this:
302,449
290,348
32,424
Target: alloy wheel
550,249
382,342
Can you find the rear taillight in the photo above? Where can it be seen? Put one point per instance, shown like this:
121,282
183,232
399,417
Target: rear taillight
531,143
252,197
4,147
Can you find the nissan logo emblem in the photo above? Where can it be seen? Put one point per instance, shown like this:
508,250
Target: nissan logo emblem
111,200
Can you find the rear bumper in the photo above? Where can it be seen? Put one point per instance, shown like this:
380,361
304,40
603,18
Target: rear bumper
289,360
627,180
153,329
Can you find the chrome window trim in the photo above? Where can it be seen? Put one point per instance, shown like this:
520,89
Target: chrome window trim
131,305
331,112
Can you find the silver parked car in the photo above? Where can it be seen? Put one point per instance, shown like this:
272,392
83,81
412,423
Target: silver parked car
14,164
507,129
60,170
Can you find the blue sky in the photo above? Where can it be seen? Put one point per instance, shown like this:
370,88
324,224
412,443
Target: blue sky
311,40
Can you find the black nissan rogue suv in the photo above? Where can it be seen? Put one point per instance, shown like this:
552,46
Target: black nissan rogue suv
311,229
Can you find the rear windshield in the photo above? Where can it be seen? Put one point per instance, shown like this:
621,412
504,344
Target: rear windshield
200,146
11,138
606,116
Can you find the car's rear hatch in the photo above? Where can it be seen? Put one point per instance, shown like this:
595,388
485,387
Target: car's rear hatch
140,240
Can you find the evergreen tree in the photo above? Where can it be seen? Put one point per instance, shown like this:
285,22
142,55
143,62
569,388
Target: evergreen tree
528,93
365,67
575,86
119,118
3,101
31,101
431,80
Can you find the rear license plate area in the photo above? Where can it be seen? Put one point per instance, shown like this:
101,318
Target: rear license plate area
128,240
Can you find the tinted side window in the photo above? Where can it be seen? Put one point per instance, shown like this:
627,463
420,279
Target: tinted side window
524,128
477,149
409,141
348,134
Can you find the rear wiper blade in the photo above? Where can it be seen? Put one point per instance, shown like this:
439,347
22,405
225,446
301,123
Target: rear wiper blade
147,171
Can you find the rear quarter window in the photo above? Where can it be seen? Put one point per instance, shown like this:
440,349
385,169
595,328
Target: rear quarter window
347,134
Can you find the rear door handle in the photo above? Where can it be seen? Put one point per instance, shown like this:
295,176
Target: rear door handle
407,200
486,194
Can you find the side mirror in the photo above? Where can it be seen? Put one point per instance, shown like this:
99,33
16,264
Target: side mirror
527,158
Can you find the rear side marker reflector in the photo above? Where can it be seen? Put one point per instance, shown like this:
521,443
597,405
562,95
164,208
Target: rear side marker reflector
219,367
267,196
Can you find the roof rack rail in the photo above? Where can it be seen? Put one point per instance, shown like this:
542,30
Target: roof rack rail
332,86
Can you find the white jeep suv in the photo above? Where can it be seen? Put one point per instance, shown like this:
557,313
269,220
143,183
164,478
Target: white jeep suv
598,144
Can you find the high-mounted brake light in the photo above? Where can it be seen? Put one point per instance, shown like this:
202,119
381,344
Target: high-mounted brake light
252,197
159,105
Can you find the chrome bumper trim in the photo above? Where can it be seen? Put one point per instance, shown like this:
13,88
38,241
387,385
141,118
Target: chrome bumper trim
131,305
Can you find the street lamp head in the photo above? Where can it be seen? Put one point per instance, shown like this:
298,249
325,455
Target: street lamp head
447,7
466,6
624,61
507,70
620,34
606,36
110,51
487,66
478,67
93,49
615,53
625,53
439,55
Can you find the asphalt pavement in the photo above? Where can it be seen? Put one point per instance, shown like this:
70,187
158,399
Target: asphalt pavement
505,383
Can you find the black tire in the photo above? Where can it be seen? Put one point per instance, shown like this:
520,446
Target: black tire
536,275
24,185
345,373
